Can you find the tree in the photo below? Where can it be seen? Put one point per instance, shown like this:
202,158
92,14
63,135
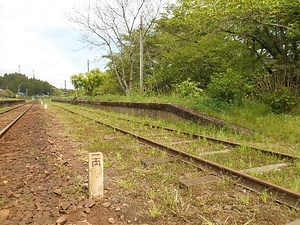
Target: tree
256,40
88,82
19,82
111,25
184,46
269,29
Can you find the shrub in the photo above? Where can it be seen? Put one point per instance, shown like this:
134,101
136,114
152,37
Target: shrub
6,94
282,100
188,88
228,86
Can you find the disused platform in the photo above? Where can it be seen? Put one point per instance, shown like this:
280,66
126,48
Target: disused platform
167,111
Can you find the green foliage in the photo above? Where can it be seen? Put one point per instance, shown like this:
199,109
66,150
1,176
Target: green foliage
88,82
194,43
6,94
18,82
199,41
109,85
270,31
188,88
282,100
213,105
229,86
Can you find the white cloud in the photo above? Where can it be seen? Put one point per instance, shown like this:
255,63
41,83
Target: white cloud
36,35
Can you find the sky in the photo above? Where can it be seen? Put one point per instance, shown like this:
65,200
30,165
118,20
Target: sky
37,39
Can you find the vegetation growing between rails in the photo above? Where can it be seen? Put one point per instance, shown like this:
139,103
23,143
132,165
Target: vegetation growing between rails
288,176
239,158
157,186
271,130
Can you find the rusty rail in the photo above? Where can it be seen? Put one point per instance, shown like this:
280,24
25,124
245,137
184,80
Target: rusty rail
220,141
232,144
8,110
280,194
10,125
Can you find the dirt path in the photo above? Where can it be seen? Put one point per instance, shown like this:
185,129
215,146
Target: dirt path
40,181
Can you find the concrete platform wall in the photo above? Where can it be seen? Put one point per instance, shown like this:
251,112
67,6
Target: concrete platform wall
11,102
167,111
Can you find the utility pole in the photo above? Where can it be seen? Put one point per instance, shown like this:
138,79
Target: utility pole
141,58
33,74
19,69
88,66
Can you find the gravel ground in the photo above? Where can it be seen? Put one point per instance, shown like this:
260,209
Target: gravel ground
43,181
39,175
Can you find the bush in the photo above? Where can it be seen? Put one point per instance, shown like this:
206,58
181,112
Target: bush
6,94
228,86
282,100
188,88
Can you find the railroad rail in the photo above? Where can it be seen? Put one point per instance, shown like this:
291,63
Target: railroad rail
11,109
217,140
9,123
278,193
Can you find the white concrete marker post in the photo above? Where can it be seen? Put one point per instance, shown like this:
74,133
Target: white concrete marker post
96,174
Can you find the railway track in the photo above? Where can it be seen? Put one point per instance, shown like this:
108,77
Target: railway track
208,138
193,149
9,117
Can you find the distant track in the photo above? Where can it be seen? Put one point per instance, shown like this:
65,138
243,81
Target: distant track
11,116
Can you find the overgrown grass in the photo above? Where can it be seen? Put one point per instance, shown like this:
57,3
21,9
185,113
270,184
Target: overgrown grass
278,130
157,186
243,158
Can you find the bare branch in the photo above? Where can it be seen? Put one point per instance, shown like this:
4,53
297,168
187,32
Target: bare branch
112,25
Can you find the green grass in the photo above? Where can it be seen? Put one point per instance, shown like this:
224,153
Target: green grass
157,186
275,131
243,158
155,211
287,177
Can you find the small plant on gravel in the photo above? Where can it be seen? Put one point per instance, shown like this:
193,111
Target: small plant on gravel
79,152
246,199
3,201
206,221
62,170
107,163
176,204
152,194
118,156
264,196
172,199
226,182
123,165
75,192
155,211
127,184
